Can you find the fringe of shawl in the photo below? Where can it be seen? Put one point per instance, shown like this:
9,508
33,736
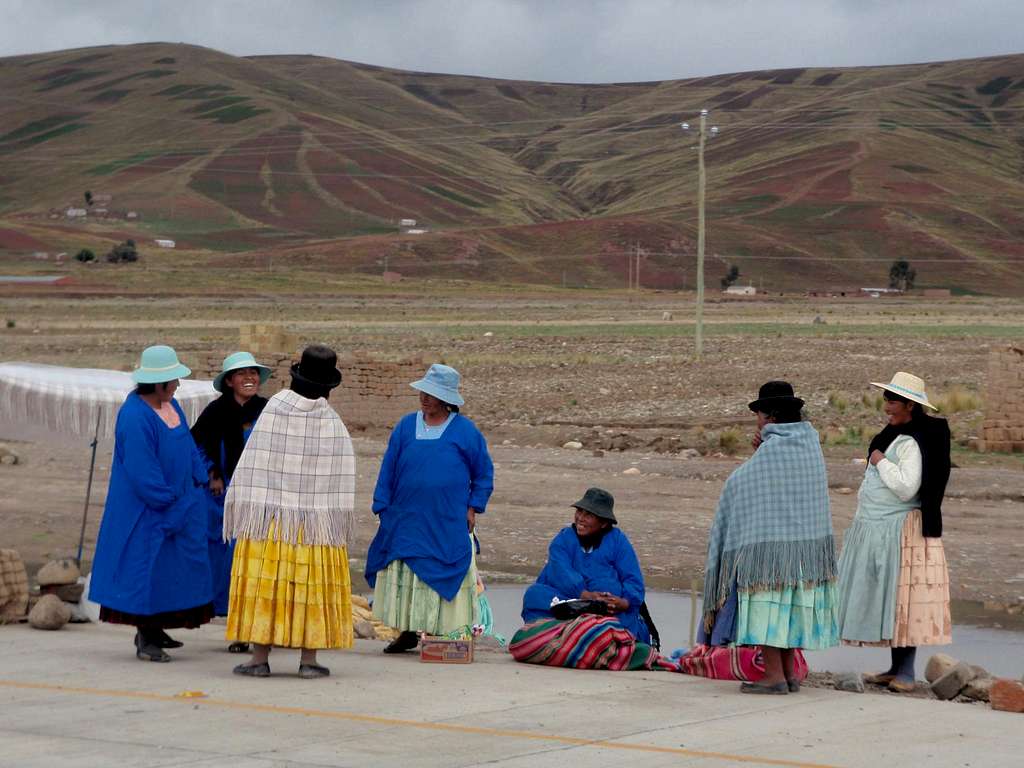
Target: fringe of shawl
768,565
310,527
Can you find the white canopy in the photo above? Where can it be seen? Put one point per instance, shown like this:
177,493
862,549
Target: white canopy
70,400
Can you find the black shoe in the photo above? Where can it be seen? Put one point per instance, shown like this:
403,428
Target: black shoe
406,641
238,648
161,639
776,689
311,671
793,684
148,652
253,670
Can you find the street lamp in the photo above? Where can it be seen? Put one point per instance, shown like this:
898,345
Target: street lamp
703,135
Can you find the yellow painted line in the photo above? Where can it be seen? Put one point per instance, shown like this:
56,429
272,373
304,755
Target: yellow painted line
420,724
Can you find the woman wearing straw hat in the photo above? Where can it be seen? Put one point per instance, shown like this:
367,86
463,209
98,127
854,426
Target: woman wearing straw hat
435,478
220,432
893,581
152,567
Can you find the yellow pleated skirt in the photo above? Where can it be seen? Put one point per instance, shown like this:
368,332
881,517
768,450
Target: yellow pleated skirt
290,595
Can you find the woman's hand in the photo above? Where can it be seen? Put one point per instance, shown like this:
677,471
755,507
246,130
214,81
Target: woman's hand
876,456
615,604
756,442
586,594
471,519
216,485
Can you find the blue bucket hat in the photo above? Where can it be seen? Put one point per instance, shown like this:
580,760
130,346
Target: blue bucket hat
236,361
441,381
159,364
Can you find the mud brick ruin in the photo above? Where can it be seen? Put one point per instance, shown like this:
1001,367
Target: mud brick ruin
1003,428
373,392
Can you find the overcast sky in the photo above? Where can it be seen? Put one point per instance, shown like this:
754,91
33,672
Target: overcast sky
561,40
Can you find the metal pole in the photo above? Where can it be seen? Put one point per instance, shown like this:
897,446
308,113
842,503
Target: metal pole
88,487
700,235
638,266
693,612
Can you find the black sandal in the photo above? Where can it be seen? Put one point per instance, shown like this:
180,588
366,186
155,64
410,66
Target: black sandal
253,670
237,647
149,652
407,641
311,671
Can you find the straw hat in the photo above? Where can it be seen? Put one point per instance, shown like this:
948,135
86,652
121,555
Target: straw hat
237,361
159,364
908,386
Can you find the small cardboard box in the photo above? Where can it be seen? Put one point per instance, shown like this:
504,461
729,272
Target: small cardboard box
441,650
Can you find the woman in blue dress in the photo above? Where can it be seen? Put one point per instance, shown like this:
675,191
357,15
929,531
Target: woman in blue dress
591,560
152,565
220,433
435,478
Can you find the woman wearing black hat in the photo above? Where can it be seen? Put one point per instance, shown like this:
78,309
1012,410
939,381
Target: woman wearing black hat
591,560
290,506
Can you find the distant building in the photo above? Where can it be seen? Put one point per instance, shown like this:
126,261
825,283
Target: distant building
76,213
876,292
407,222
415,231
131,215
164,243
741,290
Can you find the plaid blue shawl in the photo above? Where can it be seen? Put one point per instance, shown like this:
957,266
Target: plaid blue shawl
773,527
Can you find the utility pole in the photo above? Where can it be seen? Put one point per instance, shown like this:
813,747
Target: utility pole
629,269
638,266
701,183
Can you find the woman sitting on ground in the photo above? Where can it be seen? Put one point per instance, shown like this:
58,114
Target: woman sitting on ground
591,560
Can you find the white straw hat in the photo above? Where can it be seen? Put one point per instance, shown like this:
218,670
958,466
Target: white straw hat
909,386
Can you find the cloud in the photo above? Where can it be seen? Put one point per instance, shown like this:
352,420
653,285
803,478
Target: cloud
565,40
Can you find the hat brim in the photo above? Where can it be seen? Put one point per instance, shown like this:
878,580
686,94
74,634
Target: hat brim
602,514
143,376
763,404
443,394
335,379
905,395
218,380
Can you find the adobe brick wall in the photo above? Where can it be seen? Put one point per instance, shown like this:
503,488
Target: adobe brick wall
373,392
1003,427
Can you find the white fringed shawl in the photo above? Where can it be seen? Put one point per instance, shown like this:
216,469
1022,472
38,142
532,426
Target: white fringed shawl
296,476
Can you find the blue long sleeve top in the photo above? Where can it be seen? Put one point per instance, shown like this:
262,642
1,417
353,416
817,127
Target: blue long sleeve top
151,554
424,490
612,566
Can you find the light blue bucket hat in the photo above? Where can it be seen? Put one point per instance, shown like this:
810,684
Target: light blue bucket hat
159,364
441,381
236,361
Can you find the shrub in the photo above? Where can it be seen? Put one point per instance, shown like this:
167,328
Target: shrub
12,323
838,401
872,400
729,440
85,255
957,399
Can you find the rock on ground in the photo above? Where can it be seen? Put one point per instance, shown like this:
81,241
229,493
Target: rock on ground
1007,695
950,684
938,665
851,682
58,572
49,613
979,689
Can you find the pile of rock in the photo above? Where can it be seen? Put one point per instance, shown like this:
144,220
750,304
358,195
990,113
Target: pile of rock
365,625
13,586
60,592
951,678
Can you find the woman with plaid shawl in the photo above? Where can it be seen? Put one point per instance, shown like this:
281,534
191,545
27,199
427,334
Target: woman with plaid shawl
770,578
290,506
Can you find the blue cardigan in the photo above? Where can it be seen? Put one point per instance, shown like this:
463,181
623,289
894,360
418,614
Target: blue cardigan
611,567
424,490
151,554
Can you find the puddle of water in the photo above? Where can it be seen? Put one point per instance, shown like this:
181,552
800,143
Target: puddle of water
1000,651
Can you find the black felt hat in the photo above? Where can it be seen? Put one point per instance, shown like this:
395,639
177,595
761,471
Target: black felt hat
318,367
774,395
599,503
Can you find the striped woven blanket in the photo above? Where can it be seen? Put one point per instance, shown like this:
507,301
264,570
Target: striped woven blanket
586,642
745,663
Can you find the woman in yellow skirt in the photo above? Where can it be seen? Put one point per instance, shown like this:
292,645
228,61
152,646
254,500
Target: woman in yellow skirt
290,506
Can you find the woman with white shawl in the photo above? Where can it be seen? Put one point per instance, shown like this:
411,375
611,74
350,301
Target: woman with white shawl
290,506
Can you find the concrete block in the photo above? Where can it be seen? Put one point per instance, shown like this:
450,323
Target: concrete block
1007,695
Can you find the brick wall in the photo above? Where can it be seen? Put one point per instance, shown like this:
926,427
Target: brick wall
1003,427
373,392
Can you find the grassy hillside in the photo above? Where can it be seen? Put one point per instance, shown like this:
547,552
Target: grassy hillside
819,178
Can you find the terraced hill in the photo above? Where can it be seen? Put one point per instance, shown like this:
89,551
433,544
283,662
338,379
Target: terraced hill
820,177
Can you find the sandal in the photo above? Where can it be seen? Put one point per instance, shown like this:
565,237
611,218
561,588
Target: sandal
793,684
311,671
237,647
777,689
407,641
149,652
253,670
881,678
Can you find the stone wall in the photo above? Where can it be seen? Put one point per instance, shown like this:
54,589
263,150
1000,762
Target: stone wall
1003,428
373,392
